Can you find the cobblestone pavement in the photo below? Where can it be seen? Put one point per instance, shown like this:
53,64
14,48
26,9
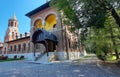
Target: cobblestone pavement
64,69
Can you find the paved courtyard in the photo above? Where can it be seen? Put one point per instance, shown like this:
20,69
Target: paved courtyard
64,69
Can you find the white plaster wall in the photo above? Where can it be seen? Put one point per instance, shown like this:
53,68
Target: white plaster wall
61,55
27,56
45,58
72,55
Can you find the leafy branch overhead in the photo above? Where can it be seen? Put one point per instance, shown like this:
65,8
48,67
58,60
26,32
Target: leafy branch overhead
99,21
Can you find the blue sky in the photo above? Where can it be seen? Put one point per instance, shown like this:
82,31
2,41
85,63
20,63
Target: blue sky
20,8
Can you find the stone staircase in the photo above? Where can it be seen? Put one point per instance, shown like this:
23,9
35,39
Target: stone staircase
44,58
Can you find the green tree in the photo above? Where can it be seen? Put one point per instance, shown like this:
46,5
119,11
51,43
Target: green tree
104,40
92,13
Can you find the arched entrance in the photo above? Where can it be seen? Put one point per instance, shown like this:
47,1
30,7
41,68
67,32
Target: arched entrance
48,39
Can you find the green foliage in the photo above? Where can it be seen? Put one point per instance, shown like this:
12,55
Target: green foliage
70,17
110,58
100,40
10,59
98,21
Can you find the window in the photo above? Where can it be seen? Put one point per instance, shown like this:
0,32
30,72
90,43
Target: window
38,24
13,35
51,22
19,47
24,46
14,47
15,24
5,51
11,23
11,48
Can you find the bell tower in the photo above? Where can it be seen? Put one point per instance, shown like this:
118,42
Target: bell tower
12,30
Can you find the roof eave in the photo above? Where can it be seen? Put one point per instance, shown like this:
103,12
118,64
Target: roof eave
42,7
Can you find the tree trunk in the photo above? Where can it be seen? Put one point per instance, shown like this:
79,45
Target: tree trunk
114,43
66,43
78,43
115,16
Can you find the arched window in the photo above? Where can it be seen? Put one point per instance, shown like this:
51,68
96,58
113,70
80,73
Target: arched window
14,47
11,48
38,24
19,47
15,24
11,23
24,46
50,22
13,35
5,51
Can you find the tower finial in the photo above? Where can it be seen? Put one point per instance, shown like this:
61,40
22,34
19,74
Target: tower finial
14,16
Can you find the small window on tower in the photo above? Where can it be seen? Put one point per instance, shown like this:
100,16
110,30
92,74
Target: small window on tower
13,35
11,23
15,24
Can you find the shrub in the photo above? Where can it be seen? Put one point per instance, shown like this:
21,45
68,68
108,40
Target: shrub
110,57
21,57
3,57
118,62
15,57
102,57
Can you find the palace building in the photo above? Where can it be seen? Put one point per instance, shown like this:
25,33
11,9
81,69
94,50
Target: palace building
1,47
14,42
47,40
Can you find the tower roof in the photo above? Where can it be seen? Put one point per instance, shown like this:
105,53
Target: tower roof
13,17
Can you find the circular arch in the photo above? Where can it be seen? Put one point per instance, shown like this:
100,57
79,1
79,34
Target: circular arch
51,21
37,18
38,24
49,14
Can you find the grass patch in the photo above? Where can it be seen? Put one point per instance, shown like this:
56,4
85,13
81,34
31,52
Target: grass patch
10,59
111,58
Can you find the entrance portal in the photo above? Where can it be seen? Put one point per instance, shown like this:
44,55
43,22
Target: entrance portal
48,39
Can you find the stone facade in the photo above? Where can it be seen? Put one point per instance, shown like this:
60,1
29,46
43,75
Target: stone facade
14,42
57,30
1,47
65,38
